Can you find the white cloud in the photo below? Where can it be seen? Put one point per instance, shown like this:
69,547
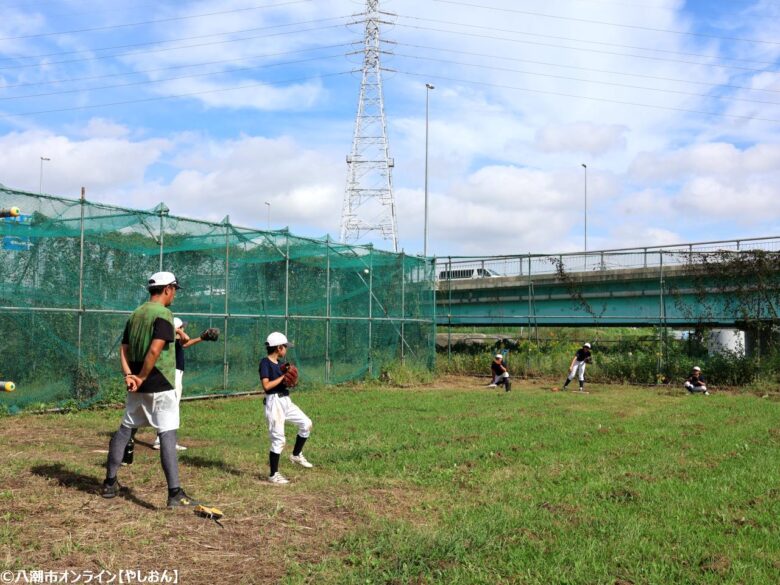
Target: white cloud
583,137
99,163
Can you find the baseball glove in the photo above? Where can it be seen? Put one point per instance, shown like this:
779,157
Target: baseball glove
210,334
209,513
290,375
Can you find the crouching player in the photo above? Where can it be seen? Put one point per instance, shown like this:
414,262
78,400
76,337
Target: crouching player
695,382
278,377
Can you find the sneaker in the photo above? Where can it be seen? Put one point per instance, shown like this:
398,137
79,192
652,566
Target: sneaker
156,445
181,500
178,447
278,478
706,393
301,460
109,490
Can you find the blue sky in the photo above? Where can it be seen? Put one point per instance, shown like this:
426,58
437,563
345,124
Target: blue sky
216,107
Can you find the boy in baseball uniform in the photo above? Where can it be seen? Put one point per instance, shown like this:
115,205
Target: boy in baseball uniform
695,382
500,373
279,408
577,366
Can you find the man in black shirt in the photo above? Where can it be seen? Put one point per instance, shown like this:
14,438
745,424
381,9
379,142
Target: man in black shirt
577,366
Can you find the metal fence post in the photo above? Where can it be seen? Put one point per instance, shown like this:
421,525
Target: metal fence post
403,304
327,310
225,364
661,316
81,279
449,309
370,309
162,209
287,283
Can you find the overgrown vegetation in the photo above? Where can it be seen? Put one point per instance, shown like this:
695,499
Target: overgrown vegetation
623,356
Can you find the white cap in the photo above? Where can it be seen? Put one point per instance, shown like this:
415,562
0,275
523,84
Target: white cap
276,339
586,345
162,279
499,356
178,323
696,369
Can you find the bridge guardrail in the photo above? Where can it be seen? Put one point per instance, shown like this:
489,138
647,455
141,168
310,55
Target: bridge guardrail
464,267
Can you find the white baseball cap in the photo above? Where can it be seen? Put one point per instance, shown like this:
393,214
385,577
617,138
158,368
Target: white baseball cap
586,345
696,369
276,339
178,323
163,279
499,356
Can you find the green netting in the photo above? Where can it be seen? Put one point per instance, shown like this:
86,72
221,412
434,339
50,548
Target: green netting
73,270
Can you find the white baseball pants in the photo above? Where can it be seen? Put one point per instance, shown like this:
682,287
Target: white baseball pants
502,377
278,410
578,369
159,410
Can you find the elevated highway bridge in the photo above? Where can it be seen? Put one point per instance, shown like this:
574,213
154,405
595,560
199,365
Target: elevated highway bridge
718,284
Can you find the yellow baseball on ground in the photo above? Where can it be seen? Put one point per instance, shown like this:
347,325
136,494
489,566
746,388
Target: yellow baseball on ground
15,211
7,386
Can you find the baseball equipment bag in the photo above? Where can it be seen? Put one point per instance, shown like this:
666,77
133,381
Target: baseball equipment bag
290,375
210,334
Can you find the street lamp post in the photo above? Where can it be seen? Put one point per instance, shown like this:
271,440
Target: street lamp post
585,167
269,215
428,88
40,176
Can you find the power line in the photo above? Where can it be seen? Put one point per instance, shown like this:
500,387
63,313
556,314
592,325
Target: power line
143,23
177,96
589,69
165,49
620,25
613,84
152,81
648,57
150,43
575,40
583,97
156,69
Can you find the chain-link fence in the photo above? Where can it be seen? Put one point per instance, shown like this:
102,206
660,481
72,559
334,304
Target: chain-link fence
73,270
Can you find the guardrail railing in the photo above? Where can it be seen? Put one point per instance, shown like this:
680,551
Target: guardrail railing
465,267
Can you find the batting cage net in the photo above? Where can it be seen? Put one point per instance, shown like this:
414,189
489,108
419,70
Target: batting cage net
73,271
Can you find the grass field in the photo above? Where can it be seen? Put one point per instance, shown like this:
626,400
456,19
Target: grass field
450,483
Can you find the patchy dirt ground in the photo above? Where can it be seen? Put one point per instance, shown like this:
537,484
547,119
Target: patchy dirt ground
53,518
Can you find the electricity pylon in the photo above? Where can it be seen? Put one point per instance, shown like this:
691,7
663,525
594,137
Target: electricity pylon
369,205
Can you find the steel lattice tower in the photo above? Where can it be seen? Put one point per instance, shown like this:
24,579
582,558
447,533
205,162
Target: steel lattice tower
369,205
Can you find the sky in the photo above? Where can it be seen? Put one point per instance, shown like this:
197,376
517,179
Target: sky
247,108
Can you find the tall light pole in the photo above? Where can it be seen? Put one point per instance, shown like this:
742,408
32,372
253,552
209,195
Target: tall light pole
269,215
428,88
40,176
584,166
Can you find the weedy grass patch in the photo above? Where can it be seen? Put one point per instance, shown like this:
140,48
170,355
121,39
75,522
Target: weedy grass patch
446,483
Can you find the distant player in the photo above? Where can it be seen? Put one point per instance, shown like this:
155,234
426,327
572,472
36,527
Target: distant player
695,382
577,366
500,373
279,408
148,364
